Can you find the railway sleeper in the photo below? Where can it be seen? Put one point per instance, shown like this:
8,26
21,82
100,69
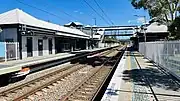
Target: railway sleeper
90,86
94,82
90,89
72,99
84,92
79,97
87,89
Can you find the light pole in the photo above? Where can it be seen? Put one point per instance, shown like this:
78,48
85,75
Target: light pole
144,28
95,21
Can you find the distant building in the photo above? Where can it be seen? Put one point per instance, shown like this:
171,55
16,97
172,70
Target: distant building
74,24
89,30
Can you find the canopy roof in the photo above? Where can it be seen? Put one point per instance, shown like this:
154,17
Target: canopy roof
17,16
155,27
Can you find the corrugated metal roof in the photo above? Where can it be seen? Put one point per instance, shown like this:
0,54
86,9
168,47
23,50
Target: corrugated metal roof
17,16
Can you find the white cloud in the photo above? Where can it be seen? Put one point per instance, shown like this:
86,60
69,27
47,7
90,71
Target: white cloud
81,13
140,20
76,11
129,21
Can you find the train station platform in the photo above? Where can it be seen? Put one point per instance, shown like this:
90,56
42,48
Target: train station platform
17,65
138,79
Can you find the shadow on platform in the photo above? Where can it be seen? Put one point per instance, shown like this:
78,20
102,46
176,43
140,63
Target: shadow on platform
115,92
155,77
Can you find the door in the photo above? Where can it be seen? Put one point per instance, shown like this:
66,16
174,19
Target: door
50,46
40,47
29,47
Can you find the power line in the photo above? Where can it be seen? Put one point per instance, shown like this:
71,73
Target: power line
103,12
63,12
96,12
42,10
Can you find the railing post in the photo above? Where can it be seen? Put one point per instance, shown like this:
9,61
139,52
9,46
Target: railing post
5,58
16,44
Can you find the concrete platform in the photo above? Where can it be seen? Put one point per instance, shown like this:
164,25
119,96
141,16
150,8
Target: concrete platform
130,83
16,65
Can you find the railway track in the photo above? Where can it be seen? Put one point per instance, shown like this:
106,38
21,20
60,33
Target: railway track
89,88
37,84
27,89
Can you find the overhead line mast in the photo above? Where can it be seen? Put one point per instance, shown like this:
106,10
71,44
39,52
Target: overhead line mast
103,12
97,12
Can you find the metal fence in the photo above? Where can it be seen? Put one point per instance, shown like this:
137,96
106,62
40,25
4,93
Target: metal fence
164,53
9,51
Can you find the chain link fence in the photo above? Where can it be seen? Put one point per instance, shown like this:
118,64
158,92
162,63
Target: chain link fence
164,53
9,51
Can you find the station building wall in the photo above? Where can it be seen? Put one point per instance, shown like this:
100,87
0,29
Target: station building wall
35,45
9,34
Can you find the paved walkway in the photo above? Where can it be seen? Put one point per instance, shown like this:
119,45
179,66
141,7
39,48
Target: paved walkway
130,83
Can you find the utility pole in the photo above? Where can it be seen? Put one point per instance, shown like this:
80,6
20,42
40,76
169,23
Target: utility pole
94,21
144,29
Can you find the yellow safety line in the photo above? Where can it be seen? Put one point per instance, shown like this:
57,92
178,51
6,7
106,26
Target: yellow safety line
130,87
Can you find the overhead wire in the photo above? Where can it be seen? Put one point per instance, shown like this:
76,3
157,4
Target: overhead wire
97,12
42,10
70,15
103,12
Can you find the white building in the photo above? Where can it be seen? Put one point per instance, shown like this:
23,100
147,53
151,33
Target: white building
37,37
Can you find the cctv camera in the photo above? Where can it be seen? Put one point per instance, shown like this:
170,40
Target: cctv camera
23,33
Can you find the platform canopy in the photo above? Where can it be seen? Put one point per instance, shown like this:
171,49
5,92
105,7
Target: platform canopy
155,27
17,16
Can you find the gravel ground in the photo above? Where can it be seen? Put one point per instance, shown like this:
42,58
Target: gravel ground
34,76
38,84
60,88
55,91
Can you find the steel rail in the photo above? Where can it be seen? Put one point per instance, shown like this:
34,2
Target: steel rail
3,93
88,79
46,84
101,85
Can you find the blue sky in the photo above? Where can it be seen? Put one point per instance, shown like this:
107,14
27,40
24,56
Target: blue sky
120,12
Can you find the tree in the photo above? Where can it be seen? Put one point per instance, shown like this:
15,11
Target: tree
174,28
163,10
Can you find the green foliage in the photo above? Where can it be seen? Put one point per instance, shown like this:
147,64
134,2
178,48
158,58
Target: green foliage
164,10
174,28
110,39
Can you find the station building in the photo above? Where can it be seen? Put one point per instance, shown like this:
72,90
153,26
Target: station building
92,31
29,36
152,32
